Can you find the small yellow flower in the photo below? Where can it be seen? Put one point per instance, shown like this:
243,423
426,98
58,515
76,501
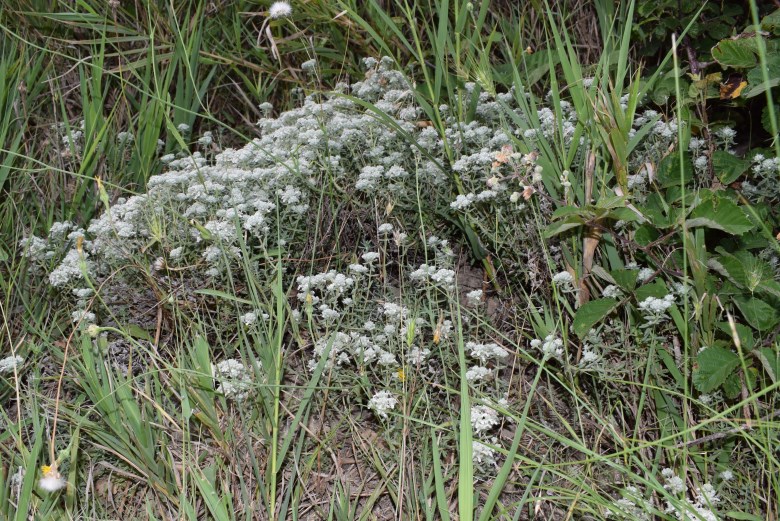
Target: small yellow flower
401,374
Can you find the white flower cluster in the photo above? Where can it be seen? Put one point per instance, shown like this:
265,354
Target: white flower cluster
612,291
474,298
280,10
382,403
654,309
346,348
485,352
700,508
591,358
672,482
564,281
482,455
440,277
483,418
9,363
235,380
551,347
632,506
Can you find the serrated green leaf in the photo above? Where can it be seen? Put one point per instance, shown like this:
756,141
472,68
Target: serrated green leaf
715,364
720,214
738,54
728,167
591,313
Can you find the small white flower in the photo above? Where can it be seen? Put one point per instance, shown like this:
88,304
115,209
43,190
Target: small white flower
645,274
484,352
280,10
52,480
477,373
726,475
564,278
481,453
552,347
673,483
10,363
417,356
483,418
589,358
82,315
474,297
249,318
612,291
385,228
358,268
382,402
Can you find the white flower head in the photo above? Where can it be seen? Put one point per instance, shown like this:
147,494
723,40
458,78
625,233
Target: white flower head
382,402
563,278
52,480
482,454
10,363
385,228
483,418
280,10
474,297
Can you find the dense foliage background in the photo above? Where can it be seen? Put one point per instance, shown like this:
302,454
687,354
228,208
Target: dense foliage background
389,260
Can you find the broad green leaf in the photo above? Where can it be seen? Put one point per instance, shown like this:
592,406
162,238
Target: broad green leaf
732,386
728,167
766,121
591,313
668,172
738,54
755,77
655,289
715,364
771,22
626,279
758,313
560,227
745,334
610,202
720,214
770,360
